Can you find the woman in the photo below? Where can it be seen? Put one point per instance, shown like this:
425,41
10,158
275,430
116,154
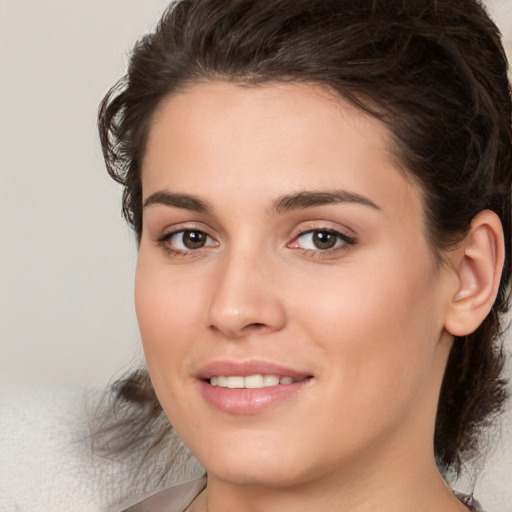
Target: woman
321,191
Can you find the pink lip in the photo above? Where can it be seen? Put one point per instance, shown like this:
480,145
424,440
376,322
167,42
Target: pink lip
249,401
245,368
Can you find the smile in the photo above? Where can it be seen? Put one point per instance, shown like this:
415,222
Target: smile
250,387
251,381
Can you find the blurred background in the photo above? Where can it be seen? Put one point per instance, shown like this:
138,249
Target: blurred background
67,258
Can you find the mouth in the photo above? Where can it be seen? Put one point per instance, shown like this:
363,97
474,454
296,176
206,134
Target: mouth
256,381
246,388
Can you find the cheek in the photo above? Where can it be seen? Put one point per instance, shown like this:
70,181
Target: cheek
164,309
162,315
380,325
150,300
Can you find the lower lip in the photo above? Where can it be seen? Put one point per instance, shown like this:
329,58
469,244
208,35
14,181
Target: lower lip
249,401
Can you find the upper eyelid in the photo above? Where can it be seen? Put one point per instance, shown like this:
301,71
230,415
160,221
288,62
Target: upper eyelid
337,232
296,232
329,229
187,226
171,233
308,227
299,230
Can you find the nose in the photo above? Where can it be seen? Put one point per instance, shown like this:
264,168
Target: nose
246,298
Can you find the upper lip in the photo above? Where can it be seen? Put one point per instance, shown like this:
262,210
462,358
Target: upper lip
245,368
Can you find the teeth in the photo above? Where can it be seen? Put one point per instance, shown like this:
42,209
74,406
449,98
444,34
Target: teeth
250,382
270,380
253,381
236,382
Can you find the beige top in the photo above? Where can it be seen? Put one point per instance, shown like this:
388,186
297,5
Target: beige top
174,499
179,497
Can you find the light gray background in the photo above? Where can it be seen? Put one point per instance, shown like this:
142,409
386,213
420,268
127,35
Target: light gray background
66,257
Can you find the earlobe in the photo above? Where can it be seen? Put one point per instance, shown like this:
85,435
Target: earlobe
478,264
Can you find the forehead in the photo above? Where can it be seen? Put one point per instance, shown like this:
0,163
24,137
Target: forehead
272,139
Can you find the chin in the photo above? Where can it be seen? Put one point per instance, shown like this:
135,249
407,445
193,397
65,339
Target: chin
255,474
253,462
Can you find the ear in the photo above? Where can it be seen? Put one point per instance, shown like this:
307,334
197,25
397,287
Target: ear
478,264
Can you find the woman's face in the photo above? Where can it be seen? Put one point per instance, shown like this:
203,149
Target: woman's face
291,310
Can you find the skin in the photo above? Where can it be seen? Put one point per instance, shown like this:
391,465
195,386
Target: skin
366,319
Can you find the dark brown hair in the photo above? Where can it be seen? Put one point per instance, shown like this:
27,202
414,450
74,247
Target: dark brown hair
433,71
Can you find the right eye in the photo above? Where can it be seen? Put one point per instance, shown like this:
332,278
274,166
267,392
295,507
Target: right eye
187,240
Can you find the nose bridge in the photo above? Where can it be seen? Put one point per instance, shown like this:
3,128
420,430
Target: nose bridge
245,295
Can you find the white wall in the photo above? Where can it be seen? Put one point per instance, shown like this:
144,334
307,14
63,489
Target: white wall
66,257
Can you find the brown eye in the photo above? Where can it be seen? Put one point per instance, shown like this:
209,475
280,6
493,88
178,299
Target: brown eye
324,239
187,240
193,239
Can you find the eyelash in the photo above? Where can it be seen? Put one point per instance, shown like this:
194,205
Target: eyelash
164,242
342,243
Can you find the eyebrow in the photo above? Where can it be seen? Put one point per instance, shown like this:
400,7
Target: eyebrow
185,201
286,203
308,199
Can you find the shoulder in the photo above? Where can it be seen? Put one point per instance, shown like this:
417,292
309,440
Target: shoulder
174,499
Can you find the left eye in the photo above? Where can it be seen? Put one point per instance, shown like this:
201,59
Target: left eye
189,240
321,240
